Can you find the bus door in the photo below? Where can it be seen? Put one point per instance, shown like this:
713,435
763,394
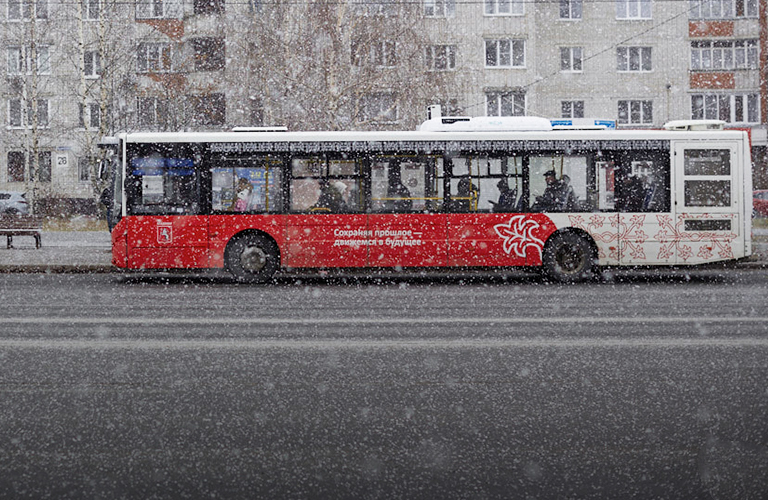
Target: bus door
484,224
706,225
404,227
641,199
327,226
168,230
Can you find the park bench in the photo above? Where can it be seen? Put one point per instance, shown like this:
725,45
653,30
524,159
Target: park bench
21,225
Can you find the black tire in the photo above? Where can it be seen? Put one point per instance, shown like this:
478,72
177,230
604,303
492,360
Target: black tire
568,258
252,257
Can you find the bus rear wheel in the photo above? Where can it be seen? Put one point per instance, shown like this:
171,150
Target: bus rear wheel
568,258
252,257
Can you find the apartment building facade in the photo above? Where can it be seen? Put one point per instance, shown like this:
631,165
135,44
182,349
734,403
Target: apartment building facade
78,71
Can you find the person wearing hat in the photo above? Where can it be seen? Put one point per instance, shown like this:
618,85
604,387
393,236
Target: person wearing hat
551,199
507,198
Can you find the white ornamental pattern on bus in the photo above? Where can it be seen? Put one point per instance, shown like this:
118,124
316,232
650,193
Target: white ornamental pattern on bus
672,238
518,236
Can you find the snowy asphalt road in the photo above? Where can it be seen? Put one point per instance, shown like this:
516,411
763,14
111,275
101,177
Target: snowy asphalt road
121,387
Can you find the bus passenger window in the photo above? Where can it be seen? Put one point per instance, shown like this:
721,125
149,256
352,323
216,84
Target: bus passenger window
246,185
642,182
159,185
398,185
325,185
558,183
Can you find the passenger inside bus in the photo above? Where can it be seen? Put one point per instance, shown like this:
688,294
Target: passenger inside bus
507,198
465,199
331,196
399,195
558,195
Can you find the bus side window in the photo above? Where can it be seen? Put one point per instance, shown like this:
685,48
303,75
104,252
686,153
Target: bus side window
158,185
643,182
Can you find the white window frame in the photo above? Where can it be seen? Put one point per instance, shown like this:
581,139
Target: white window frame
506,52
21,10
724,54
504,8
158,105
19,60
440,8
384,53
570,109
91,10
742,107
723,9
445,55
571,9
634,9
18,116
497,101
634,59
571,59
91,64
642,108
159,9
150,57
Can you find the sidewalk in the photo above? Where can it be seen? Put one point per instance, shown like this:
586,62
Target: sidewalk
61,251
90,251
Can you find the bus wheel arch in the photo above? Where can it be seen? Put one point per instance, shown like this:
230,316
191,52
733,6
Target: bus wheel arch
569,256
252,256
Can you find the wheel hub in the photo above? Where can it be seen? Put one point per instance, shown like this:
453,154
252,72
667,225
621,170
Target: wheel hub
253,259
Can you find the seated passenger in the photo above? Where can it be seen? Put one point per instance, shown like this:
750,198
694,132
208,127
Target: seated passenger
465,198
331,196
507,198
558,195
402,201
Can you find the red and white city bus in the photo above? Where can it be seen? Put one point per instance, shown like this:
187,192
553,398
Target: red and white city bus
459,192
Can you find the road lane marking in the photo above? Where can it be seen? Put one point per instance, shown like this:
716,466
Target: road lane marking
358,344
164,321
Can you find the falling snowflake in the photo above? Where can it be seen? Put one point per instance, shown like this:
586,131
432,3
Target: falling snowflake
518,235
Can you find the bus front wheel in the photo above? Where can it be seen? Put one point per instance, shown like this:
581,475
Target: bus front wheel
252,257
568,258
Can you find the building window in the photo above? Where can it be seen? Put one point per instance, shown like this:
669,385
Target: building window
571,59
439,8
43,166
209,6
91,64
635,113
722,9
570,9
209,54
152,111
91,9
379,107
17,118
208,109
724,54
19,10
16,162
92,112
159,9
441,57
635,59
633,9
505,103
505,53
254,6
84,166
572,109
376,7
738,108
380,53
20,60
504,8
154,57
